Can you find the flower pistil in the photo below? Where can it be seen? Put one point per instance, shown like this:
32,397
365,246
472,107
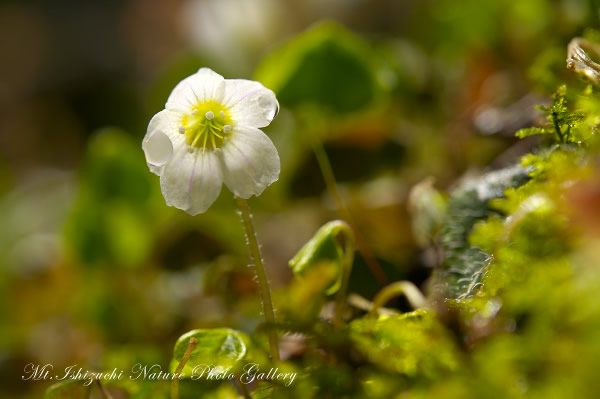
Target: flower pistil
206,127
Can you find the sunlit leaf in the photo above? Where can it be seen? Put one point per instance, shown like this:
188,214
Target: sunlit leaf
221,348
411,344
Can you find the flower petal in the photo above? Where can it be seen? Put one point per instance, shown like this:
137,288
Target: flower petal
191,181
158,148
250,103
161,137
202,86
250,162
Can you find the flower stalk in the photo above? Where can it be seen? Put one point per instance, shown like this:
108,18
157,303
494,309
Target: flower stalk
340,300
331,184
103,389
180,366
409,290
259,267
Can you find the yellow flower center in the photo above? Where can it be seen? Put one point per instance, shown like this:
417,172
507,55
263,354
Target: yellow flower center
207,127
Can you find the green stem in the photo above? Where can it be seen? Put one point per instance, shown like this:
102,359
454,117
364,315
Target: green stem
340,300
557,127
363,304
406,288
175,383
259,267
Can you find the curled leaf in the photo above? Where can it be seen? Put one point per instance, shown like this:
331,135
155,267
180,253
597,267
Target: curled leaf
323,247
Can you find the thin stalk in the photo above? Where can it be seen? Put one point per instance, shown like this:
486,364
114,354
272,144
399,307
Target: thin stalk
331,184
104,391
557,127
242,388
340,300
406,288
259,267
363,304
188,352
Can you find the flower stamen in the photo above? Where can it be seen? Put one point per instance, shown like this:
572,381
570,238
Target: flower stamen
209,119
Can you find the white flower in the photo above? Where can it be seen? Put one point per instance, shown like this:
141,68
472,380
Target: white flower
208,135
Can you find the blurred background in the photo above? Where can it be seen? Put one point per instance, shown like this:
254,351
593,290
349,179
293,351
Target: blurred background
96,270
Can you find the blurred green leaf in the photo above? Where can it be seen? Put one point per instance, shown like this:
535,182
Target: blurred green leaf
411,344
326,66
117,206
304,298
427,206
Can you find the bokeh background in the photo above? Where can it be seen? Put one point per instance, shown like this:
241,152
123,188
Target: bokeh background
96,270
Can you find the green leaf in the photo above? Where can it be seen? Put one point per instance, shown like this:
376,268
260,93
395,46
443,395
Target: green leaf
326,66
466,206
117,206
222,348
302,301
324,246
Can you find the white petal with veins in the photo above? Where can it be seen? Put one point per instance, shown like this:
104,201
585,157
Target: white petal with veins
250,162
204,85
191,181
250,103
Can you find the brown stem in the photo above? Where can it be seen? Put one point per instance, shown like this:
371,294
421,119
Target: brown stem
104,391
331,184
186,356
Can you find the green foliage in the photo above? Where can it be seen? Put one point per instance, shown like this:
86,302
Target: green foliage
110,224
428,208
466,206
413,345
221,348
514,312
562,122
324,246
327,66
302,302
